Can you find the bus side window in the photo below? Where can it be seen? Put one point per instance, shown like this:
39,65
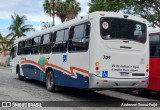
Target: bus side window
45,43
21,47
79,38
53,41
28,46
71,34
60,41
87,29
35,45
65,41
13,52
85,40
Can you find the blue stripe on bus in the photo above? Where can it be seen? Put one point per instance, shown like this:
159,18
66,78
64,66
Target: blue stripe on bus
33,72
61,79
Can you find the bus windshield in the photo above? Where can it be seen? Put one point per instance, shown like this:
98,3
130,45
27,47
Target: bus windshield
116,28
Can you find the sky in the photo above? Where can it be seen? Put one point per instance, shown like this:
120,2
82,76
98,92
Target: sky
32,9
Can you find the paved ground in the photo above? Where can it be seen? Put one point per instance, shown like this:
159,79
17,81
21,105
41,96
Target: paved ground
12,89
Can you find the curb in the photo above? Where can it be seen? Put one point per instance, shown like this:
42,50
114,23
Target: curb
7,67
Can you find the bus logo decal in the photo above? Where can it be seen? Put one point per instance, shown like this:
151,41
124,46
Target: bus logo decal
64,58
104,74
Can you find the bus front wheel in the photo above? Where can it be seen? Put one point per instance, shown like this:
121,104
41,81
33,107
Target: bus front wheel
19,75
50,85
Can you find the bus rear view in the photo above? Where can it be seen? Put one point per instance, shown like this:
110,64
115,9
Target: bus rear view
119,51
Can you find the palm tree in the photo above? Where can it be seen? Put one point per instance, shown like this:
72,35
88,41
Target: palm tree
5,42
46,25
18,27
67,10
73,9
61,10
49,8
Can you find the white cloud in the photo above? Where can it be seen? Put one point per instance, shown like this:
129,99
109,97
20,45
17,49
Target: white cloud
8,3
37,28
33,9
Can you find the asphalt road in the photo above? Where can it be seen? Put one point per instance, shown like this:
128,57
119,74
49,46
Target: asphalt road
12,89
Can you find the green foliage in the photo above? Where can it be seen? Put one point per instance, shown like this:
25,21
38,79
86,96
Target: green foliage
5,42
149,9
18,27
49,8
61,10
73,8
46,25
64,9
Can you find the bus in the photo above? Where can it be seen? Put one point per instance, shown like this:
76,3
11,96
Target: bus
102,50
154,79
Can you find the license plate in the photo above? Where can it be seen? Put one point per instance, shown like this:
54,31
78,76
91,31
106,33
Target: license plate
124,74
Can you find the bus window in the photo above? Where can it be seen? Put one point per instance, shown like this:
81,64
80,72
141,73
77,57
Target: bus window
154,45
21,46
28,46
116,28
79,38
13,52
45,43
60,43
66,34
35,45
59,40
87,29
85,40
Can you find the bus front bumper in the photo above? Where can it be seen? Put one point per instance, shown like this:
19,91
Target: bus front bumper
116,83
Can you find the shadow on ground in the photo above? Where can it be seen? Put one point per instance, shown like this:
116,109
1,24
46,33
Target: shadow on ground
79,94
144,94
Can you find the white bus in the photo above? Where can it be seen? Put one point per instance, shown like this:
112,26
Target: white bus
102,50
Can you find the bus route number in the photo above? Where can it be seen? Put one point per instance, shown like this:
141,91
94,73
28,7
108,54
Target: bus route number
105,57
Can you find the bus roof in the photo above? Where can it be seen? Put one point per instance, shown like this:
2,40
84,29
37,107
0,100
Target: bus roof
80,20
154,30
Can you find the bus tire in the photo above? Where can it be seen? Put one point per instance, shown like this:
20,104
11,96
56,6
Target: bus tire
50,81
19,75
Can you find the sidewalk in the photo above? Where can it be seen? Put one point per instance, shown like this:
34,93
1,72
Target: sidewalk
7,67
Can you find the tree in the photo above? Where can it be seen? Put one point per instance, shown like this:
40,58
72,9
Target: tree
5,42
67,10
49,8
61,10
46,25
73,9
18,27
148,9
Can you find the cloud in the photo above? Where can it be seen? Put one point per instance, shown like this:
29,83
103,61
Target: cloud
84,7
7,4
33,10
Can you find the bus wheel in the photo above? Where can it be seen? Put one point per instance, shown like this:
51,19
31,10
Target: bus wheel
19,76
50,85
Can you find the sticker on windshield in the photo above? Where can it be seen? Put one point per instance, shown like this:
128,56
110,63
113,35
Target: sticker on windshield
105,25
138,27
